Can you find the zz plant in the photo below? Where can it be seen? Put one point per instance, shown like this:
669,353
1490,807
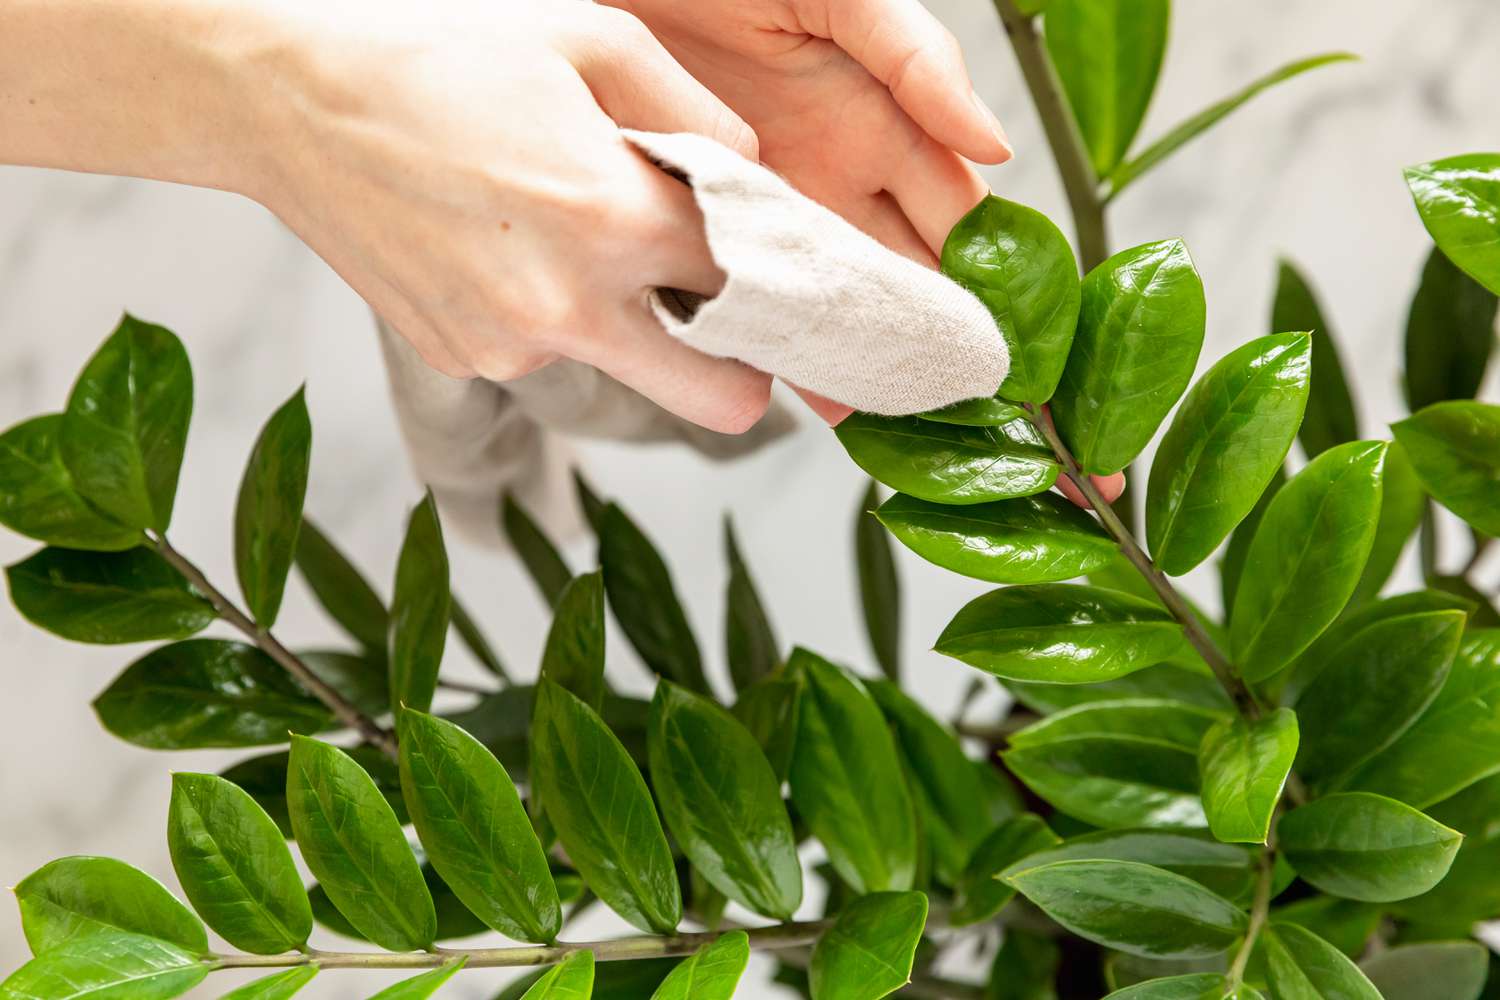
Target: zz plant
1298,800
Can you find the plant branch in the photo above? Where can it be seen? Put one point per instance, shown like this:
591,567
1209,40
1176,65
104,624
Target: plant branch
1259,910
465,687
341,707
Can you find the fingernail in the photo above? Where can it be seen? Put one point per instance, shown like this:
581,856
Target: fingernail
995,127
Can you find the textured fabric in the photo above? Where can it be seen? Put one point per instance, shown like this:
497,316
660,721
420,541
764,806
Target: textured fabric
813,300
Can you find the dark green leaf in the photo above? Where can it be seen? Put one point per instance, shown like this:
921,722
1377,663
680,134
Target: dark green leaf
126,423
353,844
1455,448
268,515
207,693
1225,869
360,678
107,597
1367,847
1483,613
588,500
1244,764
278,986
855,804
1343,923
1113,781
722,802
879,586
538,554
1133,907
1459,201
421,986
602,811
1061,633
419,610
1035,539
341,589
768,709
264,779
1174,723
454,920
1470,892
1139,334
1450,333
574,654
710,973
1025,967
1330,418
572,979
645,602
749,641
979,894
74,901
949,463
1232,566
1305,967
868,952
1015,261
1198,986
235,867
1453,970
984,411
1162,681
1223,446
38,498
1401,505
111,966
473,638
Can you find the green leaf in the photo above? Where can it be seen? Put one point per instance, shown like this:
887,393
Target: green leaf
263,778
353,845
112,966
360,678
722,802
38,498
74,901
235,867
126,423
1133,907
1244,764
984,411
1453,970
421,986
602,810
1232,565
1374,688
857,805
1174,723
340,588
1162,681
278,986
879,585
107,597
1113,781
1303,966
1191,128
454,920
1470,892
1061,633
768,709
574,654
1401,504
750,643
475,830
419,610
979,895
1455,448
1450,333
1025,967
588,500
949,463
572,979
538,553
710,973
473,638
207,693
1035,539
1459,201
1227,870
1223,446
1330,419
1015,261
645,602
1307,557
1198,986
1367,847
1108,54
1343,923
268,515
869,951
1139,334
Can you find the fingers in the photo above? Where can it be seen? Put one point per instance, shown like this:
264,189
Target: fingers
934,188
829,411
669,229
1110,487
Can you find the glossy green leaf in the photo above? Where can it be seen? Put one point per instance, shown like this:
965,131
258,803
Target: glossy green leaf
1450,333
207,693
419,610
1307,557
1035,539
645,602
1459,201
572,979
1455,448
1401,504
1343,923
1197,986
574,654
341,589
72,901
710,973
353,844
979,894
1453,970
277,986
1377,684
602,811
454,919
1330,419
1244,765
869,951
1223,446
538,553
473,638
1225,869
111,966
1232,565
235,867
1025,967
749,641
1302,966
1191,128
268,514
362,679
422,986
1162,681
1139,334
474,829
107,597
855,804
1174,723
1108,54
126,423
950,463
768,709
1113,781
1061,633
1367,847
983,411
1133,907
879,585
38,498
263,778
1015,261
1470,892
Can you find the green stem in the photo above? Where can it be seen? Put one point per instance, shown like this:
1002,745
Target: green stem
1427,542
1259,911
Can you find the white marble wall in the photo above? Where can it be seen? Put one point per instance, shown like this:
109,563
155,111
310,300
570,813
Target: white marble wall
1311,172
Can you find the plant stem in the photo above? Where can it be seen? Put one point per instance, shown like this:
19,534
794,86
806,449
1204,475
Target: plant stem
1244,701
342,709
1259,910
466,688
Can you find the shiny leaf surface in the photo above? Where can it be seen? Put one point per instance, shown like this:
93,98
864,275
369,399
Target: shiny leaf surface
979,894
1401,505
1225,869
74,900
1113,782
112,966
571,979
868,953
263,778
1367,847
1455,448
1174,723
419,610
268,514
38,498
1197,986
1470,892
950,463
1450,333
107,597
1459,201
1244,764
985,411
1302,966
645,602
710,973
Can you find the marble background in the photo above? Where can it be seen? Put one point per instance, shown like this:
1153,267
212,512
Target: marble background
1311,172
